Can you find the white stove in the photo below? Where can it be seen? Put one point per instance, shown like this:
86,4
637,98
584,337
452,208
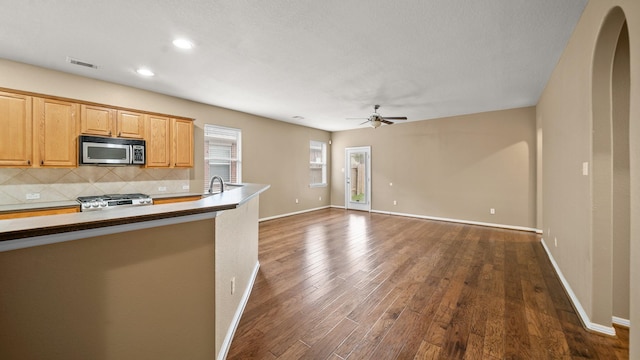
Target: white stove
111,201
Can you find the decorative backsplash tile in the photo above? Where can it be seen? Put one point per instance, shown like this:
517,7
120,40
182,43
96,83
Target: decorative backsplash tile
68,184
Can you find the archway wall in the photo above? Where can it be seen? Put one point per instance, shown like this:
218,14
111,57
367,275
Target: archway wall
564,114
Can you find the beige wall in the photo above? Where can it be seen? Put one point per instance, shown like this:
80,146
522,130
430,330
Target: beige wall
145,294
566,120
455,168
274,152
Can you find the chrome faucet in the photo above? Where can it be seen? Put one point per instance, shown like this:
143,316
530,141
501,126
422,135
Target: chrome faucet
211,184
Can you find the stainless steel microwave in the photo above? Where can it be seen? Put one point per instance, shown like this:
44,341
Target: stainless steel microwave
98,150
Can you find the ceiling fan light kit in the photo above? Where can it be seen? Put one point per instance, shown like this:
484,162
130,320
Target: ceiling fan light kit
375,120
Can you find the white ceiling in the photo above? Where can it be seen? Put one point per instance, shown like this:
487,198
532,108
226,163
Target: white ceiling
322,60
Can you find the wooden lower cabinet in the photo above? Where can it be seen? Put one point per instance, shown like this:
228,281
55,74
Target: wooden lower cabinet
176,199
40,212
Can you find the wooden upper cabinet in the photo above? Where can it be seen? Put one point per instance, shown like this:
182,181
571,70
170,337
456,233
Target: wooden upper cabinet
15,130
183,143
130,124
97,120
56,132
169,142
158,141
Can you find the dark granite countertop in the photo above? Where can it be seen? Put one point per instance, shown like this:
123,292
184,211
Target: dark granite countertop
21,228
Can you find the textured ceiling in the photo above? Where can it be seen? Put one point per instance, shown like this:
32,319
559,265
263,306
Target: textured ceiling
322,60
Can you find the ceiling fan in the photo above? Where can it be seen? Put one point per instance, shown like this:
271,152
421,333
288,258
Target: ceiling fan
375,119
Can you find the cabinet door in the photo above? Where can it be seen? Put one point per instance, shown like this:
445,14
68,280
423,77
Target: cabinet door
183,143
56,132
158,141
15,134
130,124
96,120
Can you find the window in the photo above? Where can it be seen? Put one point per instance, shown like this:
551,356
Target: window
222,154
317,163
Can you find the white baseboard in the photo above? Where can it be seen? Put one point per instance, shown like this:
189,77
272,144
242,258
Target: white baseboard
622,322
510,227
470,222
293,213
582,314
224,349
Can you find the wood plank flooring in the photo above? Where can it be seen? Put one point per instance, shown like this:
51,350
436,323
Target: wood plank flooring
336,284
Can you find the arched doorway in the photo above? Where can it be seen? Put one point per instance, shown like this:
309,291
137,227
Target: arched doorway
610,177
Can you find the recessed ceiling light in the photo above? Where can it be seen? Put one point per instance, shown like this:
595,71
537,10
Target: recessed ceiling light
183,43
298,117
145,72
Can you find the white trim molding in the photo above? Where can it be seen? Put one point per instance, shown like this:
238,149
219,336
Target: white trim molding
226,344
621,322
470,222
293,213
582,314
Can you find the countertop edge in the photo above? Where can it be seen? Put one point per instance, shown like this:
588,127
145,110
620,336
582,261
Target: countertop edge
23,228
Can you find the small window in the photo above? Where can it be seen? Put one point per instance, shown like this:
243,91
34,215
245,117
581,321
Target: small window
222,154
317,163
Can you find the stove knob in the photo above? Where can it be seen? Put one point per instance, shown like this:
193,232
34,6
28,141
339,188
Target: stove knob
94,204
86,205
148,200
103,203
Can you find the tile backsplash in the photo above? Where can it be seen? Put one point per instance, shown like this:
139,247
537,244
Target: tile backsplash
68,184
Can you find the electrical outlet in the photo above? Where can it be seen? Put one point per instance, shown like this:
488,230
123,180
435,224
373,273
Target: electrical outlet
185,187
492,211
320,198
233,285
395,202
33,196
585,168
297,201
555,240
162,188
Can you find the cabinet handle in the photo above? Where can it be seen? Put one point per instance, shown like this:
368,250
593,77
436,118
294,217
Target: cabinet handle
28,162
41,162
109,132
120,134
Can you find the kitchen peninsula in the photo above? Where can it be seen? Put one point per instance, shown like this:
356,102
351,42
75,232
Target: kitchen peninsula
164,282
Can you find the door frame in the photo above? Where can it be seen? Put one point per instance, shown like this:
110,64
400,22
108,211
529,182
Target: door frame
348,204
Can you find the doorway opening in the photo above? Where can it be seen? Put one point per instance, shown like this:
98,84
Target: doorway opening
611,176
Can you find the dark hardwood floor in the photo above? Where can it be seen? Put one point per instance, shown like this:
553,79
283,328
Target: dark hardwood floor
336,284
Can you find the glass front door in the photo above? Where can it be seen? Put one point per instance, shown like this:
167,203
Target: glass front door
358,178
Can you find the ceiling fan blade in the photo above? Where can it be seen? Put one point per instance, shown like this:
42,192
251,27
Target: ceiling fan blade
364,122
360,118
383,120
395,117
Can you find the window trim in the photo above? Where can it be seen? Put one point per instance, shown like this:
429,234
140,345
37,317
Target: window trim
322,163
221,140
